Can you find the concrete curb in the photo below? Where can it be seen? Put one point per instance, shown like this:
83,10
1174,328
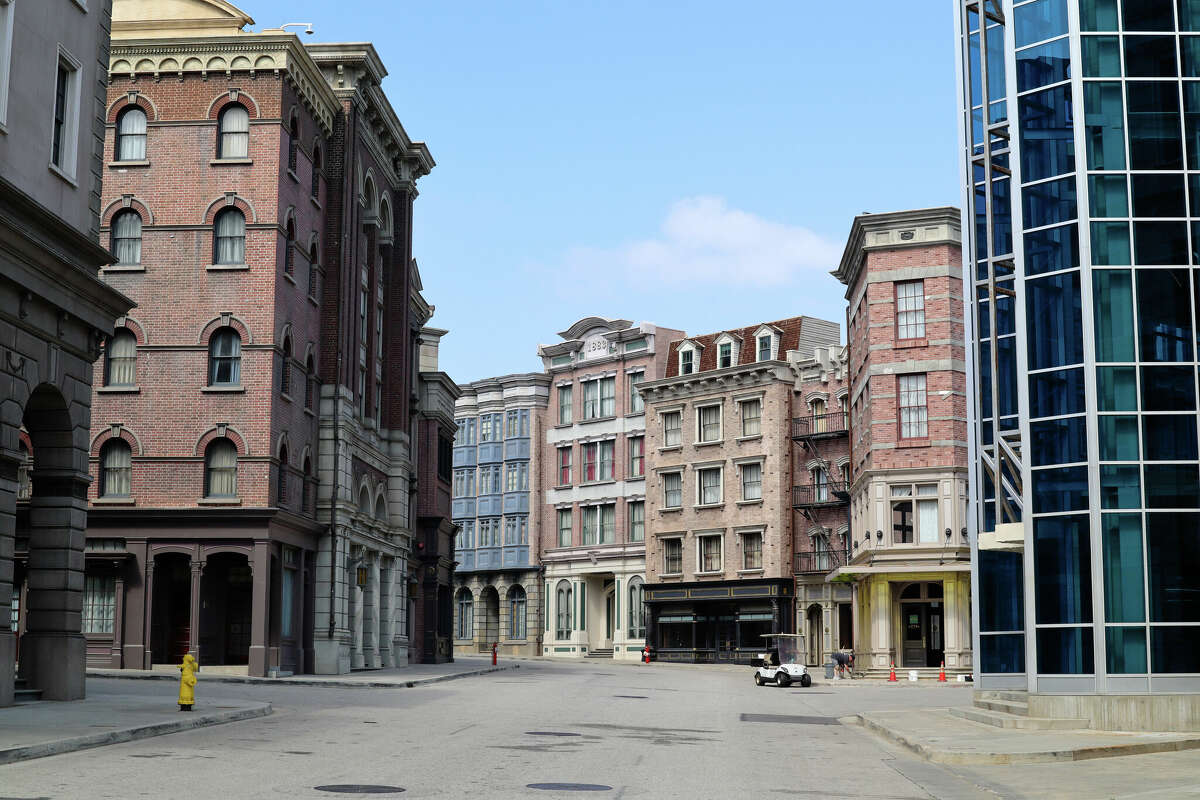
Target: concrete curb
12,755
1028,757
330,683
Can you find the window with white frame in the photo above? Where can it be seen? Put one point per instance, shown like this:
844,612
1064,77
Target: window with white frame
708,423
765,346
564,611
915,514
591,524
64,142
708,552
465,435
608,523
564,527
672,422
564,466
607,458
724,355
599,398
672,489
820,481
7,12
910,310
687,363
99,603
672,556
752,550
515,530
516,613
637,520
598,461
488,433
116,469
131,135
564,405
637,608
637,456
489,532
466,615
464,483
233,132
489,480
636,405
752,480
516,477
708,486
466,535
752,417
914,414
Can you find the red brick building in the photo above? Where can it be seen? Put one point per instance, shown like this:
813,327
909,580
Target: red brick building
909,558
265,442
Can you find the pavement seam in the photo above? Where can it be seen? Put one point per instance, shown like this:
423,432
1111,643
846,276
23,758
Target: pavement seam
42,749
333,683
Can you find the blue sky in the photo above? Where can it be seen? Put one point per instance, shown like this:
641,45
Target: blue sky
692,164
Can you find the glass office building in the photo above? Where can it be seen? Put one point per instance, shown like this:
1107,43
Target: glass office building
1080,132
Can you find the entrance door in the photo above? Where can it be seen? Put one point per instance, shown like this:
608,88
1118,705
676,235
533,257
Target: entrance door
608,619
813,656
935,650
922,623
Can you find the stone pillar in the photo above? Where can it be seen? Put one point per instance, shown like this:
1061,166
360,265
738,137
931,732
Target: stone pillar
148,615
356,621
197,566
951,632
8,523
260,568
53,650
881,622
375,609
116,653
386,613
134,644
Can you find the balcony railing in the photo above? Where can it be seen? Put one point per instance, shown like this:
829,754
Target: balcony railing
821,561
835,423
819,494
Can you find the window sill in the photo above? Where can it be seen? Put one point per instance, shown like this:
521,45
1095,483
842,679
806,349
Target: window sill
57,170
751,438
310,412
314,201
755,571
287,276
118,389
713,443
641,413
291,173
902,344
604,482
608,418
709,574
119,165
757,502
113,501
238,389
912,443
227,267
671,509
112,269
670,574
230,162
635,478
285,396
219,501
702,506
670,448
313,300
564,425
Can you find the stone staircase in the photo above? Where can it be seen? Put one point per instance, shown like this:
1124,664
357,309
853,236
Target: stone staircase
1010,710
23,694
600,652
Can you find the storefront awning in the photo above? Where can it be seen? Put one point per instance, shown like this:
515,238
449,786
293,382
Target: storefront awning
851,570
756,617
668,618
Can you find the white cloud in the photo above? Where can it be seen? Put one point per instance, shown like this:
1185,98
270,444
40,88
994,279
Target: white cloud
703,240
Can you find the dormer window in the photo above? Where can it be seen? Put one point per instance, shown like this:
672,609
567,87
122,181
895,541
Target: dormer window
724,355
686,365
764,347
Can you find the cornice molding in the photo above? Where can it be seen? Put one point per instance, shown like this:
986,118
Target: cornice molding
743,376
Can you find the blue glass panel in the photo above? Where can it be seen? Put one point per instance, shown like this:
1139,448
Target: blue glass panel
1101,56
976,70
1052,249
1049,203
1058,441
1148,15
1173,551
1174,649
985,380
1035,22
1059,489
1189,20
1098,15
1054,320
1124,600
1160,243
1169,437
1157,195
1062,566
1154,139
1126,650
997,112
977,130
1002,654
1047,136
1006,315
1113,298
1007,362
1165,316
1150,57
1189,51
1065,651
981,237
1116,388
1108,196
1001,591
1191,119
1002,217
1119,438
1172,485
1052,394
972,20
1168,389
1043,65
1104,124
995,47
1120,486
1110,244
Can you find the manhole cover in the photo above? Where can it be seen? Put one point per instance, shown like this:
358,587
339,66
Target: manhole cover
784,718
632,696
550,733
359,788
570,787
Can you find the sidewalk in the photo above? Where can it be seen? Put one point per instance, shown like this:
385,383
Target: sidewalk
941,737
408,677
33,730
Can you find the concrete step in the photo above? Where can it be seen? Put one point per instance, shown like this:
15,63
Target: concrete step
1014,695
1006,706
1000,719
23,695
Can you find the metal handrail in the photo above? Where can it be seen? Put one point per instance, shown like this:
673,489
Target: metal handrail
819,494
831,423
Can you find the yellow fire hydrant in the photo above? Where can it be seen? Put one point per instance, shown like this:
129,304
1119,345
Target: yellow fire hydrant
187,683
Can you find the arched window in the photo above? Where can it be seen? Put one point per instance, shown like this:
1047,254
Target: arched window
310,382
289,257
637,609
312,270
220,469
233,140
293,142
381,510
305,491
120,359
127,237
285,375
115,468
364,502
565,615
316,172
516,613
466,615
131,135
229,229
281,491
225,358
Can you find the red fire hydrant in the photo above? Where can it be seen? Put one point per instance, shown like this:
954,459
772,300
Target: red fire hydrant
494,653
646,654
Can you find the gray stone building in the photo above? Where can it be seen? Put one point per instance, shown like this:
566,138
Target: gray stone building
54,315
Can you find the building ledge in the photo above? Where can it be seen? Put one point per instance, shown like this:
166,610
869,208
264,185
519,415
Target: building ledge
223,389
124,164
229,162
118,389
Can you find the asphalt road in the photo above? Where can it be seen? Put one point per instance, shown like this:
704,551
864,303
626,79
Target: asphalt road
646,732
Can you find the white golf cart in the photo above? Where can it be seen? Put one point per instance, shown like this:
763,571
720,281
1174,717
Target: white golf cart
784,662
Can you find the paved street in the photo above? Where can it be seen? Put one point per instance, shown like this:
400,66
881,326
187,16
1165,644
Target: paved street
657,731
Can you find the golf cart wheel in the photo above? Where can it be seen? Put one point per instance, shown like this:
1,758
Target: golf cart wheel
758,680
806,680
783,679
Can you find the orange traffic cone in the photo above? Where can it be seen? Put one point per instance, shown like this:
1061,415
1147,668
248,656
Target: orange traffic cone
892,676
942,673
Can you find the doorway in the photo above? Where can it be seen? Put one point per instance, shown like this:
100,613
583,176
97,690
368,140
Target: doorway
608,619
170,625
921,625
226,605
813,635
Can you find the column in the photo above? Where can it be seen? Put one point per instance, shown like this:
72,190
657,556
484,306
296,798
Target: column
951,634
387,612
8,524
374,658
881,623
260,566
194,608
116,653
134,645
148,615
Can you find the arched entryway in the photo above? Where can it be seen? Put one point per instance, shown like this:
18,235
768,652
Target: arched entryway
489,611
812,635
53,650
226,605
171,608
